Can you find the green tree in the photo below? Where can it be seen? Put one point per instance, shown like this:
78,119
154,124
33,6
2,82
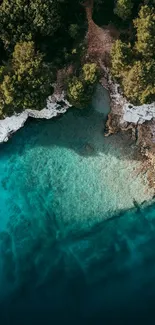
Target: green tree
75,92
135,67
123,9
45,15
25,82
145,25
80,89
23,20
73,30
139,82
90,73
121,56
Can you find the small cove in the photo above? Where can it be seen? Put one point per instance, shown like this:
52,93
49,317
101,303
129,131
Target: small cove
60,181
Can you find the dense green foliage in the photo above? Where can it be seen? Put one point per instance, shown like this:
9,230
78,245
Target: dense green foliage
73,30
25,81
145,25
124,8
22,19
81,88
121,58
38,37
28,28
139,82
134,65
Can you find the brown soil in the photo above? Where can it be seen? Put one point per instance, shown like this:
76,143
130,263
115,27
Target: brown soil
99,40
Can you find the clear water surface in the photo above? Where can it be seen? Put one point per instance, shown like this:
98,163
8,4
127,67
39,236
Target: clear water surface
75,248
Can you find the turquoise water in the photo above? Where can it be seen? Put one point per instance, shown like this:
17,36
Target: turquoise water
74,249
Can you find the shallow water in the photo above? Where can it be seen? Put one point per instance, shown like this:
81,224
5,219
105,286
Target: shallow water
72,250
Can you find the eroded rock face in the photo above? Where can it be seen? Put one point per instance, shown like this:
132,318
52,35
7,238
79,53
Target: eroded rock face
56,104
127,112
138,114
112,124
140,120
11,124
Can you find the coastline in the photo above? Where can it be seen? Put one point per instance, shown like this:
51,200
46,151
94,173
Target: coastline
45,177
56,104
77,181
127,113
138,120
123,117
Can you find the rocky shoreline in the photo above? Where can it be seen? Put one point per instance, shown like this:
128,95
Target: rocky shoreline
56,104
139,121
125,112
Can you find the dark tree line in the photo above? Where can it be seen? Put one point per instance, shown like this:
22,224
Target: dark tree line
37,37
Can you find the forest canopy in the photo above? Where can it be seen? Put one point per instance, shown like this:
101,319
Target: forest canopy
39,37
25,80
133,60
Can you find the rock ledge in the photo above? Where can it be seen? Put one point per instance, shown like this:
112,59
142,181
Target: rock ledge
56,104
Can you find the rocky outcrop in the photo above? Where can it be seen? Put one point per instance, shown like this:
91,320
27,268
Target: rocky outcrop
56,104
140,120
138,114
11,124
124,115
120,105
130,113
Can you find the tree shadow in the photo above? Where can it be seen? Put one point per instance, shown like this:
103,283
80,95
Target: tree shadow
79,130
70,293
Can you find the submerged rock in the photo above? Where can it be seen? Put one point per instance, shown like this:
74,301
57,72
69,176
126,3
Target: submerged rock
89,148
112,125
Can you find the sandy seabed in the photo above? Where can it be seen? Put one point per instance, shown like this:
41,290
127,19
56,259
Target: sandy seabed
60,180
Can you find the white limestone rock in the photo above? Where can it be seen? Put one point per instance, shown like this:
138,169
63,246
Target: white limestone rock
120,106
130,113
138,114
11,124
56,104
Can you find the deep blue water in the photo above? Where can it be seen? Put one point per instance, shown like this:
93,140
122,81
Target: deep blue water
73,249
